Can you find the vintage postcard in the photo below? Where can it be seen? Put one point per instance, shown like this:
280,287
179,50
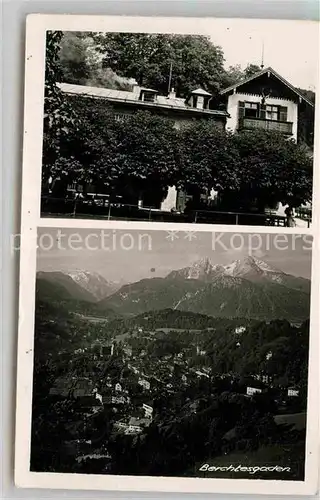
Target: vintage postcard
169,270
214,126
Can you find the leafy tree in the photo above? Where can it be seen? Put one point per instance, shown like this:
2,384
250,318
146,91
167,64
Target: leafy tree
309,94
81,63
71,153
147,152
273,169
306,119
235,73
90,150
73,57
251,69
133,156
207,157
58,115
147,58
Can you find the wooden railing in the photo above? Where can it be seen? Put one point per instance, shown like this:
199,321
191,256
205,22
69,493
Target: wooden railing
260,123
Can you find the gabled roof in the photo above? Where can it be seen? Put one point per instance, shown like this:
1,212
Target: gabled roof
200,91
144,89
262,72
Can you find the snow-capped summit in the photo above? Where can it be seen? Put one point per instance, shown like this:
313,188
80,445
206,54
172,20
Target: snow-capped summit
93,282
251,267
201,269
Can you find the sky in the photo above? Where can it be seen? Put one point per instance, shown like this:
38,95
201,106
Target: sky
128,256
290,47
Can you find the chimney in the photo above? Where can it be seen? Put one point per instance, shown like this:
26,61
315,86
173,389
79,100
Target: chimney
135,87
172,94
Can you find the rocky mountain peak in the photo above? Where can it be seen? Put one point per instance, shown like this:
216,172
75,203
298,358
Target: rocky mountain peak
93,282
202,266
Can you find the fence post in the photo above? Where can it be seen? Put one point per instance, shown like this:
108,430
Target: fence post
75,208
237,219
195,216
109,211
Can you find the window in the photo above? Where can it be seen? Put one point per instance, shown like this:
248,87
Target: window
283,113
200,102
148,96
272,112
251,109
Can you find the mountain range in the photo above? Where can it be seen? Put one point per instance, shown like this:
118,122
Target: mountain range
249,268
247,288
79,285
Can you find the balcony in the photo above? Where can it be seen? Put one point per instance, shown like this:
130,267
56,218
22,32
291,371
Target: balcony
250,123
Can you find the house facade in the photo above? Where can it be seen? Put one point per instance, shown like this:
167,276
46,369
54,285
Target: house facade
265,101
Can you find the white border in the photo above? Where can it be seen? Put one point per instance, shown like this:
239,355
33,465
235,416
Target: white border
37,25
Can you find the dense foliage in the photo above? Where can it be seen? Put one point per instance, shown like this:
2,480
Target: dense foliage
207,157
306,116
147,58
272,169
131,157
81,63
59,117
235,73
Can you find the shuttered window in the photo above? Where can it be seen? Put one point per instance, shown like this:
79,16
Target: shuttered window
283,113
263,111
240,109
251,109
240,113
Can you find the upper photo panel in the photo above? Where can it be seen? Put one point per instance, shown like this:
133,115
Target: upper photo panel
210,129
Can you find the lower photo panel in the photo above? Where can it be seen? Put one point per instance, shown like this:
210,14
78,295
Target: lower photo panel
171,353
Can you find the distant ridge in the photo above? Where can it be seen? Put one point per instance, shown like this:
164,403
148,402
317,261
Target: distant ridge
79,285
248,288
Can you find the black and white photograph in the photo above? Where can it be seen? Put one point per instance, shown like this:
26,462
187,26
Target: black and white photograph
215,128
168,287
171,354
